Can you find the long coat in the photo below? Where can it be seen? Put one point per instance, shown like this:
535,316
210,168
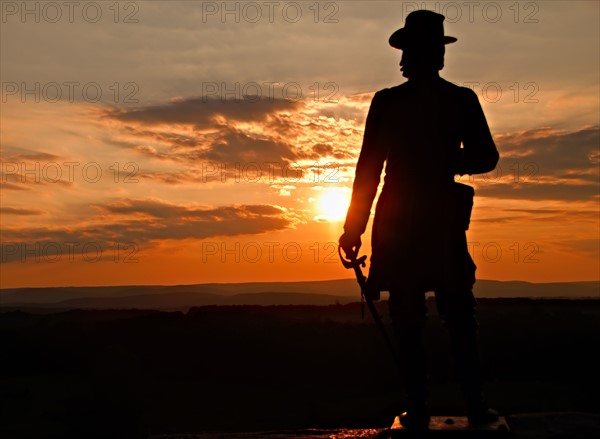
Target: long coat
425,132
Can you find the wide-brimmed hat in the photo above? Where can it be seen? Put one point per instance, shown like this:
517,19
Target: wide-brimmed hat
421,28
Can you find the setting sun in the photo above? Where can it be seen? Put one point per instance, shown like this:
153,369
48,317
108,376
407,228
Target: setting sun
333,205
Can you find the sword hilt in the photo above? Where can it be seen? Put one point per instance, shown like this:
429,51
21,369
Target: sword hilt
352,263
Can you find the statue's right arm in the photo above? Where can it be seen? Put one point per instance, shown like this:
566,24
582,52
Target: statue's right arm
368,171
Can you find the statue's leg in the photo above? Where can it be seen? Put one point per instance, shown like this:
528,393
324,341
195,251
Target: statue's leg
409,312
457,309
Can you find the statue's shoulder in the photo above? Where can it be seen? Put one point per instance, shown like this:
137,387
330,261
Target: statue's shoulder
455,89
392,93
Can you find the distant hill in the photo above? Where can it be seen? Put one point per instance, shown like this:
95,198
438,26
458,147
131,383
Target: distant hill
499,289
340,287
184,300
178,297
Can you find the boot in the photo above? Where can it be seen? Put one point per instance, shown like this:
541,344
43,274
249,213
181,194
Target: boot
415,379
408,311
465,349
478,412
481,414
417,417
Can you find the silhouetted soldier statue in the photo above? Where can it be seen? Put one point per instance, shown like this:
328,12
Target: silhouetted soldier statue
426,130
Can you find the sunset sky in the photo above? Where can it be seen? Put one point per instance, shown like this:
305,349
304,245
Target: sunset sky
159,142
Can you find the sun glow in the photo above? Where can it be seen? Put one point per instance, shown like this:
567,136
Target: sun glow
332,205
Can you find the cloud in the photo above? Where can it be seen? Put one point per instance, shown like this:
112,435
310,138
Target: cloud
586,247
557,216
545,164
143,223
197,130
212,140
12,187
21,168
18,211
563,191
234,144
556,153
200,112
537,164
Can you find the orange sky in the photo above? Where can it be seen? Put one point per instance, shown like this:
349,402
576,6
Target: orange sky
171,175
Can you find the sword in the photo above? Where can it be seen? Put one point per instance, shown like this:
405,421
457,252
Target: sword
367,297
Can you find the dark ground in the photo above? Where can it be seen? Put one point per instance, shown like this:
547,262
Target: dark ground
135,373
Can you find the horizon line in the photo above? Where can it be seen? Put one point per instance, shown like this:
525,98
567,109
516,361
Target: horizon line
273,282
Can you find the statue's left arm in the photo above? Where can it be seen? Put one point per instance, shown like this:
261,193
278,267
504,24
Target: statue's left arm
479,153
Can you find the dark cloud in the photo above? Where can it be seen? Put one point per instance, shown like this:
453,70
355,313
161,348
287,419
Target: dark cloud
322,150
194,131
143,223
538,215
202,223
29,167
500,219
540,191
200,112
223,136
580,214
17,154
174,178
587,247
12,187
234,146
160,209
284,124
545,164
18,211
175,139
555,153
